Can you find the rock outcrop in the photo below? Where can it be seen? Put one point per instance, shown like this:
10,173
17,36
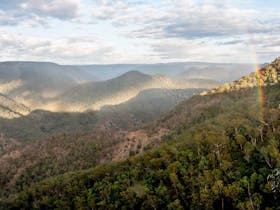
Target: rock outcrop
268,75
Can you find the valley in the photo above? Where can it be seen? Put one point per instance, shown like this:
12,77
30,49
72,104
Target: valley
153,150
52,87
139,105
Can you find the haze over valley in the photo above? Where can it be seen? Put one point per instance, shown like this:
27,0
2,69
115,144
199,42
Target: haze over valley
139,104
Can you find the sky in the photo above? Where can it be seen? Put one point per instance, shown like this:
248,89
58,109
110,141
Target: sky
139,31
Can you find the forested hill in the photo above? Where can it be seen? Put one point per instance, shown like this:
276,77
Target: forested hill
224,155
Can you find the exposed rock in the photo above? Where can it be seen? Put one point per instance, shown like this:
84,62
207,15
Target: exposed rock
268,75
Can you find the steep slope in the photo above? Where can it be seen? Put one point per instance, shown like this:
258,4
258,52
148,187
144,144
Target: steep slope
219,153
267,75
145,107
115,91
82,150
9,108
8,145
34,82
36,72
26,163
53,87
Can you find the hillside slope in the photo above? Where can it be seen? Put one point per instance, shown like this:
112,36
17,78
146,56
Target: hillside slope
53,87
219,152
267,75
114,91
93,96
145,107
9,108
33,83
227,167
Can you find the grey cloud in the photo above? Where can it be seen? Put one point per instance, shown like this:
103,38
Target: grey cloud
34,12
61,9
16,17
192,21
83,39
7,19
213,27
109,10
36,48
232,42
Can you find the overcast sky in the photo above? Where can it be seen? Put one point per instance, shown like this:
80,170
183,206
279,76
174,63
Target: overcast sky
139,31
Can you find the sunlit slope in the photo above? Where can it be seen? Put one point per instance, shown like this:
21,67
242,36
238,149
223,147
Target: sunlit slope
10,108
53,87
218,153
145,107
34,83
94,96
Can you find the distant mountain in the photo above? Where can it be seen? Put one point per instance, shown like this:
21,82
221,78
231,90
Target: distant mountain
33,83
230,71
95,95
217,72
53,87
198,82
210,152
31,71
145,107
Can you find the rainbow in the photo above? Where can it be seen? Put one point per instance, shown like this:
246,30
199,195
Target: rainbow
260,91
259,81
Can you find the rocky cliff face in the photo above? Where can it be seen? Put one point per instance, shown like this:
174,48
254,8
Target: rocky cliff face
268,75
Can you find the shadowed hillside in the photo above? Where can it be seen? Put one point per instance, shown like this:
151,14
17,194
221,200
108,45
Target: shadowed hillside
143,108
53,87
218,152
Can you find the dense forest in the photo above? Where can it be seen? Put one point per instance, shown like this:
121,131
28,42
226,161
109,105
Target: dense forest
226,158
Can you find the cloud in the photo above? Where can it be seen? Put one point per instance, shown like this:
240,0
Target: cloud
107,10
188,19
6,19
141,31
86,49
231,42
67,48
36,12
239,49
61,9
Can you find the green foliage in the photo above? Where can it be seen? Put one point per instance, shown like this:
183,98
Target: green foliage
227,159
50,157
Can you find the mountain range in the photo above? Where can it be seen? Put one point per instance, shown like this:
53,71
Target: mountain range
215,150
51,87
